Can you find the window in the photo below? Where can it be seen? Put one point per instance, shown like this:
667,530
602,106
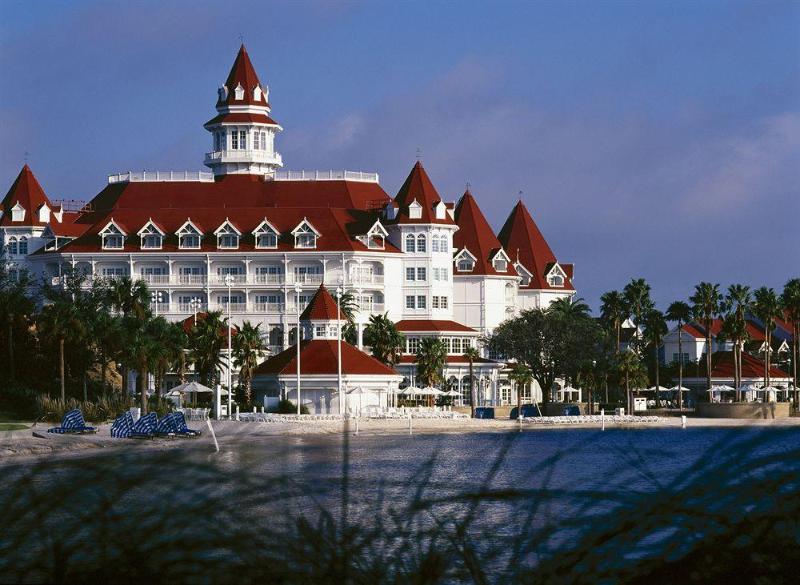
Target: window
12,246
234,140
151,241
439,302
685,358
410,302
239,92
413,344
23,246
435,244
242,140
500,264
302,300
256,141
421,302
465,264
421,274
305,236
414,210
113,242
17,213
365,303
555,280
411,244
376,242
189,242
456,345
263,141
266,240
308,274
320,331
113,271
434,302
411,274
443,244
421,243
228,241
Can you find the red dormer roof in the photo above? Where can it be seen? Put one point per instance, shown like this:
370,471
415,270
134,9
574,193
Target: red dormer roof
26,191
418,187
522,240
322,307
243,73
475,234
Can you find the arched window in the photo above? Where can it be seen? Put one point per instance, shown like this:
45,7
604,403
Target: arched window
410,243
23,246
422,243
465,264
466,391
443,244
12,246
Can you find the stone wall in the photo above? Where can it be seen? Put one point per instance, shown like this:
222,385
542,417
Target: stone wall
742,410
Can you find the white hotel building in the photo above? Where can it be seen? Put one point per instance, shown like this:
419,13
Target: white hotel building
436,268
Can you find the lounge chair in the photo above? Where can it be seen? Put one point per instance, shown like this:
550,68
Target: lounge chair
145,427
73,424
180,428
166,426
122,426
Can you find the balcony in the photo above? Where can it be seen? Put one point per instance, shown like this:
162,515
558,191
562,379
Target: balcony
268,308
235,308
326,176
315,279
155,278
365,279
220,279
243,156
187,308
267,279
161,176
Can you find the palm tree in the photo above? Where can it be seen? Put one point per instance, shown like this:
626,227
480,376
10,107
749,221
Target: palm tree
431,359
614,311
248,347
569,308
169,352
737,301
205,345
61,322
634,373
127,297
655,327
681,313
384,340
767,307
637,298
472,354
348,305
521,375
15,307
705,306
791,303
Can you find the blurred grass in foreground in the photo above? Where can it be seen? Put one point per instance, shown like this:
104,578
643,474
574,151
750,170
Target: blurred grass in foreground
180,516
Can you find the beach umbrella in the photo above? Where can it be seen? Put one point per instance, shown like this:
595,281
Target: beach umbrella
680,388
192,387
658,389
452,393
410,391
722,388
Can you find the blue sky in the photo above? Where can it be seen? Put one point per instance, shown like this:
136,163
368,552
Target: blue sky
650,139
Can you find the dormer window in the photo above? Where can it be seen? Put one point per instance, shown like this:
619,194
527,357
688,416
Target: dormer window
257,94
239,92
375,238
44,213
222,92
189,237
17,213
414,210
227,236
305,236
500,261
151,236
441,210
524,274
266,235
465,261
556,276
112,236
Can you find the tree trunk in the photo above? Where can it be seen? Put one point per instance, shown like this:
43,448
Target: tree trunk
519,401
61,367
658,385
680,366
619,329
628,397
472,396
85,391
103,371
768,360
708,354
141,386
124,373
10,336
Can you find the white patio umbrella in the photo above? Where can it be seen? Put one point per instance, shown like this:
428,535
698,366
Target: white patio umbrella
680,388
431,391
658,388
410,391
192,387
358,390
452,393
722,388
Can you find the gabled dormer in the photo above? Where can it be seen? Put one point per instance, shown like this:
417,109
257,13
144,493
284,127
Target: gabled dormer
500,260
238,93
414,210
44,213
227,236
266,235
556,276
112,236
305,235
17,212
440,209
375,238
151,236
189,236
465,261
524,274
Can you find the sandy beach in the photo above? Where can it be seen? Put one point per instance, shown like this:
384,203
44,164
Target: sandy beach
37,442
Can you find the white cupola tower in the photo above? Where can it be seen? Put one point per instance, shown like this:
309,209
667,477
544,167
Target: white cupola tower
243,133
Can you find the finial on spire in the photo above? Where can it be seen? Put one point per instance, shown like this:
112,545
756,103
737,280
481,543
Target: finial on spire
241,38
520,195
468,185
26,156
419,154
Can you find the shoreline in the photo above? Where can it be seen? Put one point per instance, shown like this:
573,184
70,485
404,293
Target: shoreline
36,442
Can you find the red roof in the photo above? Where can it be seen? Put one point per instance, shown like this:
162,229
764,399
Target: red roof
243,73
322,307
26,191
475,234
522,240
188,323
451,359
752,367
319,356
418,187
432,325
240,118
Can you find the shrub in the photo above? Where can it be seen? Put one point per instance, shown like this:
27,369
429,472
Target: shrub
289,407
19,401
105,408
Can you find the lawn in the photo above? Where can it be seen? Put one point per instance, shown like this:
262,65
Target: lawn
12,426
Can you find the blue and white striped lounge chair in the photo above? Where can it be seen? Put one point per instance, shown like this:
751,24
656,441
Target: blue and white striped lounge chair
166,426
72,424
180,426
122,426
145,427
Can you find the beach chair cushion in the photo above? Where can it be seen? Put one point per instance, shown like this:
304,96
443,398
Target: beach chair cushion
145,426
122,426
72,423
166,425
180,426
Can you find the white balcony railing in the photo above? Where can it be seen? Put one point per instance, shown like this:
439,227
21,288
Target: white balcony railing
155,278
187,308
189,279
268,307
234,156
267,279
221,279
361,279
326,176
158,176
235,308
306,279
